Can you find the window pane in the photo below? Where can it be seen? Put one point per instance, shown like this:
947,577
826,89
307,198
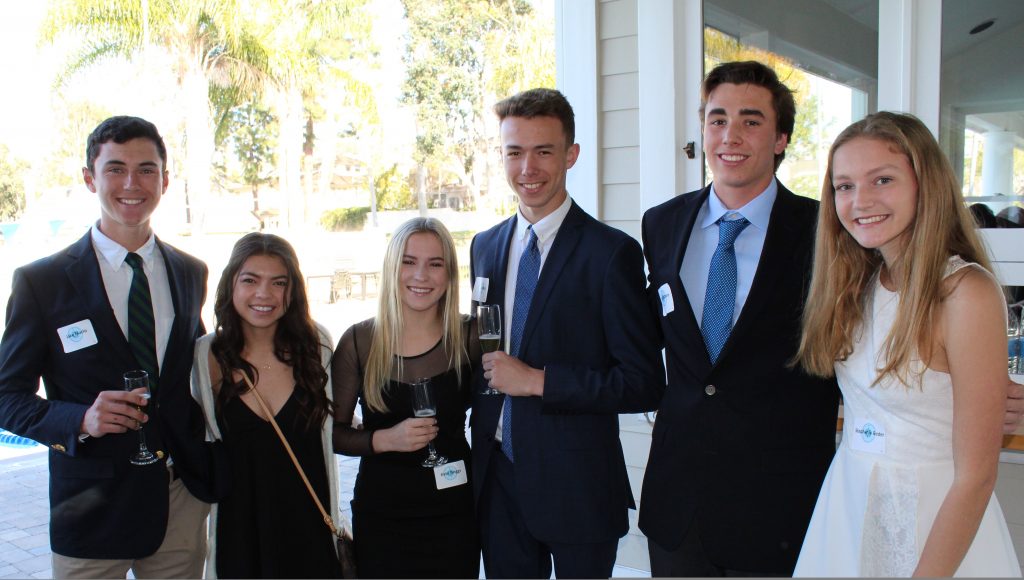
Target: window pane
834,81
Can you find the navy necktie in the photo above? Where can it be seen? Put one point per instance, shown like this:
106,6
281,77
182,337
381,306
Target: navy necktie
526,283
141,322
720,299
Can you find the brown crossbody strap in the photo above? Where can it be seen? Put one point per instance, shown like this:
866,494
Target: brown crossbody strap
288,448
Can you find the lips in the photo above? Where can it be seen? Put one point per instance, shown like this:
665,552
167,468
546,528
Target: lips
867,221
419,291
129,201
531,187
732,157
262,309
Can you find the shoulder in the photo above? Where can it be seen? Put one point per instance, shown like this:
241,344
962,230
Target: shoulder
670,210
57,261
797,205
188,260
360,332
970,283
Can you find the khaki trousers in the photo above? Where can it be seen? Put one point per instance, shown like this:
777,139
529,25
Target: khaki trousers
181,555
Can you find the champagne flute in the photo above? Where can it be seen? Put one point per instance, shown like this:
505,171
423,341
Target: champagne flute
488,321
136,380
1014,339
424,405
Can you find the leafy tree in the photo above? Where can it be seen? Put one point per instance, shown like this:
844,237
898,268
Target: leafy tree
393,191
12,185
453,54
253,131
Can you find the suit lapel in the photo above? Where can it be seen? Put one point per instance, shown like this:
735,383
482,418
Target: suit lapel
779,242
686,216
84,274
562,248
499,263
178,278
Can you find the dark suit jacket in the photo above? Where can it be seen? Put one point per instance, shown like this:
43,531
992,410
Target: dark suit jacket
739,448
591,331
100,505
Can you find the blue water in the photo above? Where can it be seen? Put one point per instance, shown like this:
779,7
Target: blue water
8,439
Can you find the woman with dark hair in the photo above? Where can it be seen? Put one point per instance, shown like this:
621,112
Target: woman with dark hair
411,521
268,526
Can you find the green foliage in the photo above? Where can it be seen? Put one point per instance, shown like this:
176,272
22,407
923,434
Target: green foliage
344,219
253,131
12,185
393,191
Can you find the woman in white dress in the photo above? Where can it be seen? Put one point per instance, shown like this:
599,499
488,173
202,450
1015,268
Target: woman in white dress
903,310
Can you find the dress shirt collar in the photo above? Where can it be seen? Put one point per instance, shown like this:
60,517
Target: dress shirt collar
757,211
545,228
114,253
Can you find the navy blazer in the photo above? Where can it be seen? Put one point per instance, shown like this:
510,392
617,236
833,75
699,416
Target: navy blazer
591,331
739,447
100,505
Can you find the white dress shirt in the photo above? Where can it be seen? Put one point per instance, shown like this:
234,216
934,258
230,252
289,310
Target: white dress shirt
704,240
546,230
117,280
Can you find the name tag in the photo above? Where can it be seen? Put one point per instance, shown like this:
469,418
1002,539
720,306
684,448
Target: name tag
868,436
451,474
480,289
77,335
667,304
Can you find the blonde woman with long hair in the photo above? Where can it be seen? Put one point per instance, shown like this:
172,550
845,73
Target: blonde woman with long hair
904,311
410,521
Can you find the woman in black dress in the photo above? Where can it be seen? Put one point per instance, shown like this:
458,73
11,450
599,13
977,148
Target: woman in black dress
407,522
268,526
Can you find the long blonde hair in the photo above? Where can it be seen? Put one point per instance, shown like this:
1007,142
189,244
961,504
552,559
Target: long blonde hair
387,326
843,270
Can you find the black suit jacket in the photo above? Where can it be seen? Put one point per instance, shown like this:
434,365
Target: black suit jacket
739,448
100,505
591,331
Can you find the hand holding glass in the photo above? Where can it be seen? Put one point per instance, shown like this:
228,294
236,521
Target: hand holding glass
488,321
424,405
139,380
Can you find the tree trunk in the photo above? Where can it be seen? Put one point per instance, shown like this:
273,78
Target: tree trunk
198,147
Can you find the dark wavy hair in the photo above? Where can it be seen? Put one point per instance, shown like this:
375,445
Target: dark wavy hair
296,340
120,130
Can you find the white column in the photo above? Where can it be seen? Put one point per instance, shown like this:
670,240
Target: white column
576,76
910,58
670,52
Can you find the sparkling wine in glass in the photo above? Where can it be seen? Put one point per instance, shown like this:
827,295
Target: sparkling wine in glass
424,405
1015,340
136,380
488,320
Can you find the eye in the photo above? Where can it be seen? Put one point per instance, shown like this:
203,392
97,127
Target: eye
281,283
716,122
246,280
115,170
437,264
408,261
148,171
512,154
884,180
842,187
753,123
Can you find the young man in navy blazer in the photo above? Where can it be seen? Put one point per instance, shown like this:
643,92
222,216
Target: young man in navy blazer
742,439
67,323
579,347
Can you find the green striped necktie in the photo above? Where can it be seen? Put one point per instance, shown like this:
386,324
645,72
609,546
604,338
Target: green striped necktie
141,325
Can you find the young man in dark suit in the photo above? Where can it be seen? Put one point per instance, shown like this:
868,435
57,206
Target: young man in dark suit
117,300
580,347
742,439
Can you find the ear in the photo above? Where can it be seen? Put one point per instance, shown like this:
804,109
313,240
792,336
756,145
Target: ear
88,178
572,155
166,174
781,141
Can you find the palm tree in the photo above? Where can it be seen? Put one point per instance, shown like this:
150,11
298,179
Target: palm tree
207,41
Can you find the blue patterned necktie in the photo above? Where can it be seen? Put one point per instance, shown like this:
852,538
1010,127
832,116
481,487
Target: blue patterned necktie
141,325
720,299
526,283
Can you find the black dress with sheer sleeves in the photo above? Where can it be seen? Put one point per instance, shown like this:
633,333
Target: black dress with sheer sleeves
404,526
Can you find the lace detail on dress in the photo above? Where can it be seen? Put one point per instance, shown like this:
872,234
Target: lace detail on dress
889,538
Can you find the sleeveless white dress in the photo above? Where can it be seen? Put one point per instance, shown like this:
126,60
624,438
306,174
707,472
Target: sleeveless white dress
892,470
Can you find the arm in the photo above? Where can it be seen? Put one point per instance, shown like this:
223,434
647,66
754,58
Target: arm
633,379
410,435
972,322
24,354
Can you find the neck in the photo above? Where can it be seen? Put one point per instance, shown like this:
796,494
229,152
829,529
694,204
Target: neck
421,324
258,341
737,197
130,238
535,214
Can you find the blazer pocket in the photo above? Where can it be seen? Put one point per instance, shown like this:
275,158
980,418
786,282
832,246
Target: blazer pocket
66,466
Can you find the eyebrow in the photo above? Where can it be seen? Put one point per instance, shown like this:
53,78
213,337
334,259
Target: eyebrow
520,147
743,112
123,164
255,275
872,171
410,256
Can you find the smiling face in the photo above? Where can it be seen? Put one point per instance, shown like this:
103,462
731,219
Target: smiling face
741,141
261,292
129,179
536,159
423,278
875,194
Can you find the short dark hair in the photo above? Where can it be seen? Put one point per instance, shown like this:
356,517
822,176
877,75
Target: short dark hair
751,72
540,103
122,129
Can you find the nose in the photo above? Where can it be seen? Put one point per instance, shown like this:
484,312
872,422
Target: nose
862,198
731,134
529,166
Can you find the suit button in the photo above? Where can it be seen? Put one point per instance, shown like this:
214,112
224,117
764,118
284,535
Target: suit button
710,390
58,447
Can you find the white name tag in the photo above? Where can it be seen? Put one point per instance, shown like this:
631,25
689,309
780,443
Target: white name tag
451,474
480,289
77,336
667,304
868,436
